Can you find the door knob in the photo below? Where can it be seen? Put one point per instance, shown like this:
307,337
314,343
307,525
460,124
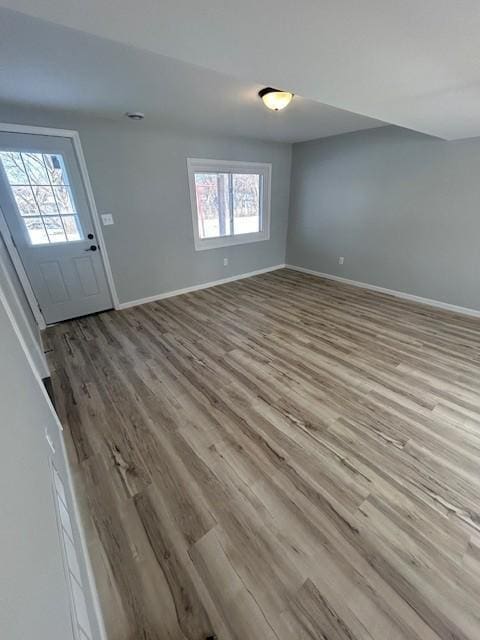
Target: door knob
92,247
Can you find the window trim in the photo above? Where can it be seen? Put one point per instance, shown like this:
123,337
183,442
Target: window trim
205,165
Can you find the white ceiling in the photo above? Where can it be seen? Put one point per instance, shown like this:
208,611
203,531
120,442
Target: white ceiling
47,65
414,63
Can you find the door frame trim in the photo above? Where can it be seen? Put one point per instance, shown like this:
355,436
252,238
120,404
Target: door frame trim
74,136
38,357
21,273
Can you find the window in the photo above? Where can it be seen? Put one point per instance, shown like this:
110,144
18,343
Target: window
230,202
41,190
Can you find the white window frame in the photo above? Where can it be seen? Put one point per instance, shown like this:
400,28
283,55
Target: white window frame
199,165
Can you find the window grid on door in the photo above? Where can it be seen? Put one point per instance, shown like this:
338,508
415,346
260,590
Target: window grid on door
41,189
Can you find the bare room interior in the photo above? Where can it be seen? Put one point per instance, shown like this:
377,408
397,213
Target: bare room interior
239,320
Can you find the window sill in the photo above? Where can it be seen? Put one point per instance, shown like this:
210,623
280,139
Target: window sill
230,241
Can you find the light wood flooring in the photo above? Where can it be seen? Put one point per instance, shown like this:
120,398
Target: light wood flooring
279,458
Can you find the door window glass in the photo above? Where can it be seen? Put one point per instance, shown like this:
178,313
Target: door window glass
41,189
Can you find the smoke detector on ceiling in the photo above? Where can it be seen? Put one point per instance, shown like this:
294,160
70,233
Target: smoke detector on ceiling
135,115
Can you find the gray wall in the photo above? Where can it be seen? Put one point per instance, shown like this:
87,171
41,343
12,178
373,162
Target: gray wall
401,207
33,591
139,174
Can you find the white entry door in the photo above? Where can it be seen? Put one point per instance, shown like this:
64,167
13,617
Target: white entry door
44,202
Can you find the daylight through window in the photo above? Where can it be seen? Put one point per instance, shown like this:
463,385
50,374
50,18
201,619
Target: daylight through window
230,202
42,193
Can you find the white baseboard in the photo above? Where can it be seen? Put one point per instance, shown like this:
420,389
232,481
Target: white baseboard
398,294
197,287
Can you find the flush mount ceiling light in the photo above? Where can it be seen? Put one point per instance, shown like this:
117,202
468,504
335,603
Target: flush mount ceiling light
135,115
274,99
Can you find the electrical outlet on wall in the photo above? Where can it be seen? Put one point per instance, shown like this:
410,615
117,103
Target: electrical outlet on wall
341,260
225,262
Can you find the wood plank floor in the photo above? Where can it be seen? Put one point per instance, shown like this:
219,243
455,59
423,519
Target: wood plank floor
282,457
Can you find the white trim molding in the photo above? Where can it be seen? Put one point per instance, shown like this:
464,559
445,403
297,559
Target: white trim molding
77,147
197,287
262,169
475,313
21,273
41,131
38,359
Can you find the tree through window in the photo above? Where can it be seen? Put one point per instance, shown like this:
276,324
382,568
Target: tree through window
228,203
41,190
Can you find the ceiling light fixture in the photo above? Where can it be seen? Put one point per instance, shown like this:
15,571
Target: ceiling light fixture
135,115
274,99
